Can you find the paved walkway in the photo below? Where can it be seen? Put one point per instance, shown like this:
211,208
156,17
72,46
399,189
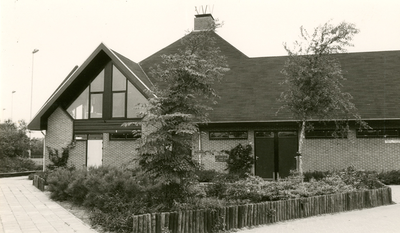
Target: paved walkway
24,208
383,219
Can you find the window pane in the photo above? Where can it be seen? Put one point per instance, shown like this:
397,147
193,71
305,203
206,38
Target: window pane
80,136
118,80
228,135
118,109
134,99
287,134
125,136
96,105
265,134
79,108
97,84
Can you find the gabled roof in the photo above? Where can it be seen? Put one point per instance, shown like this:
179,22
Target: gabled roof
249,91
101,55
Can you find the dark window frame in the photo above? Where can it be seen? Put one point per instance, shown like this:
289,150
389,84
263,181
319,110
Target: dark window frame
118,91
230,135
324,134
126,138
377,133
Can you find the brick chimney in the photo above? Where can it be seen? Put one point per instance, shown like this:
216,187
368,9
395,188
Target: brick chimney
203,22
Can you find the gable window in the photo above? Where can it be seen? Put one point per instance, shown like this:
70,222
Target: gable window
109,95
135,98
118,93
96,96
79,108
378,133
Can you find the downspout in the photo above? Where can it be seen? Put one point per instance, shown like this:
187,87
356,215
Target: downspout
200,149
44,150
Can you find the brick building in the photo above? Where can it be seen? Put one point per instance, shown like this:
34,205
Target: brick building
88,108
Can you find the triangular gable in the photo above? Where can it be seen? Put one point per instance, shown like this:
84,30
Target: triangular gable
138,79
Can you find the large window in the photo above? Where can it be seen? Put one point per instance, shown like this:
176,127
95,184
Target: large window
122,97
118,93
135,98
96,96
79,108
378,133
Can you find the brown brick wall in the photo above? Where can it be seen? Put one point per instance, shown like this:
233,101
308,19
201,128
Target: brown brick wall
212,148
59,131
118,153
77,155
364,153
319,154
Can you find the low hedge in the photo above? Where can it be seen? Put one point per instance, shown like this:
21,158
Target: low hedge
17,164
386,177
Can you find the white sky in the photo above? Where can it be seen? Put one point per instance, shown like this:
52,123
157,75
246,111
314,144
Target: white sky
67,31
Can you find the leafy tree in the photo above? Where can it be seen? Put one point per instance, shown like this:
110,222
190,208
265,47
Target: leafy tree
313,76
13,139
183,96
36,146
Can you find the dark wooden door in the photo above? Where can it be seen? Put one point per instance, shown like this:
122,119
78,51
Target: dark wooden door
287,151
275,153
265,154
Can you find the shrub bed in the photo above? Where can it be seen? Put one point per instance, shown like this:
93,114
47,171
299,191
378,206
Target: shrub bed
114,195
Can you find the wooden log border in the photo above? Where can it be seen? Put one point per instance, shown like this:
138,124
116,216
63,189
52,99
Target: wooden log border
236,217
38,182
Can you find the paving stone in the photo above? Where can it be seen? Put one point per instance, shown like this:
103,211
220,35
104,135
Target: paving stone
24,208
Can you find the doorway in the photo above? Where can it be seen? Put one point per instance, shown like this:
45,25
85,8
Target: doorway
275,153
94,150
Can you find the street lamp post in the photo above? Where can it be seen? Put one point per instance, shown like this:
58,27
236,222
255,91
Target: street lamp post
30,114
33,53
12,102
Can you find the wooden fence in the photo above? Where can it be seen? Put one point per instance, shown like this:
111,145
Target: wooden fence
234,217
38,182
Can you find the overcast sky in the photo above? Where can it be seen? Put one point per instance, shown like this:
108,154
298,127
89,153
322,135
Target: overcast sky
67,31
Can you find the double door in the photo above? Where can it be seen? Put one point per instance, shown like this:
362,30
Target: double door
275,153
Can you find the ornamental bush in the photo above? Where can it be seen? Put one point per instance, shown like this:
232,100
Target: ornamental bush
240,160
58,181
390,177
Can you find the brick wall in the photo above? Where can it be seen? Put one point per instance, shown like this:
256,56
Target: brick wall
212,148
318,154
364,153
77,154
118,153
59,132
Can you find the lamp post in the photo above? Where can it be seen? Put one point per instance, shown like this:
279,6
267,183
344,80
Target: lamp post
30,114
12,102
33,53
